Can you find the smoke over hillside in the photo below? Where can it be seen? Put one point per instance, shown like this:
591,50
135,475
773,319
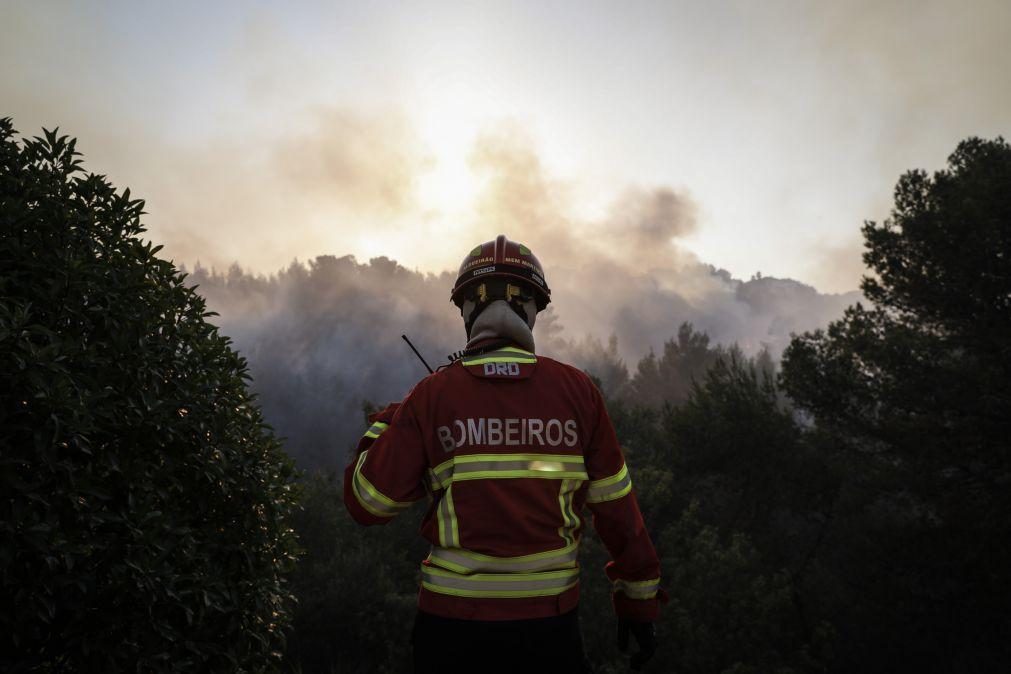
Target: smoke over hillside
324,337
321,338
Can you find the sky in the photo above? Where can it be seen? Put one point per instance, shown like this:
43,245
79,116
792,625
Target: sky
265,132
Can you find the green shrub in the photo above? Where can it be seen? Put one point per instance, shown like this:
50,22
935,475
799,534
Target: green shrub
143,523
357,587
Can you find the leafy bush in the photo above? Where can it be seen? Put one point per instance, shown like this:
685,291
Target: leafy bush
357,587
143,520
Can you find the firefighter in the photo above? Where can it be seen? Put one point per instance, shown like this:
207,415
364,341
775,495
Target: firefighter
509,447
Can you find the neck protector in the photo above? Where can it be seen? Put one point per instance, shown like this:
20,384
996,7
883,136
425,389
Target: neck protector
500,321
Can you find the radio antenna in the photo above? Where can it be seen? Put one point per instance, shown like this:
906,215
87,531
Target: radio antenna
430,370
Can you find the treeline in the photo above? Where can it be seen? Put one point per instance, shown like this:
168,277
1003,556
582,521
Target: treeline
851,513
323,336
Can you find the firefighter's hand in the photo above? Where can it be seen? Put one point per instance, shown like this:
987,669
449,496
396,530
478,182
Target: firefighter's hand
645,637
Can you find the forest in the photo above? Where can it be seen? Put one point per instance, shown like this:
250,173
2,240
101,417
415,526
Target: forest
841,506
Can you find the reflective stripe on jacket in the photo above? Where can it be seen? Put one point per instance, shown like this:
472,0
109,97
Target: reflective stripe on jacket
509,447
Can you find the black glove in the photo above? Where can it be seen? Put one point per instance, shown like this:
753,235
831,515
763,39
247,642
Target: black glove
645,637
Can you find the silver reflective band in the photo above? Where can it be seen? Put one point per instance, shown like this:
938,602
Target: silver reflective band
467,562
504,585
610,488
371,498
495,466
376,429
641,589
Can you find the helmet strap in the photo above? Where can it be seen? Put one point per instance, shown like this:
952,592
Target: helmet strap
491,290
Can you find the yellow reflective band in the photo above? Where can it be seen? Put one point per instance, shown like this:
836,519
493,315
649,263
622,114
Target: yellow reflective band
610,488
500,466
375,430
508,354
441,475
466,562
371,498
570,521
516,349
449,531
492,585
640,589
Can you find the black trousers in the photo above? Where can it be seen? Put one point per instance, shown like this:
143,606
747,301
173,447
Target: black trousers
448,646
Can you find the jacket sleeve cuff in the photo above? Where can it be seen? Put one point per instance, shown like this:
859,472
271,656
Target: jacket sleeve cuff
354,508
640,610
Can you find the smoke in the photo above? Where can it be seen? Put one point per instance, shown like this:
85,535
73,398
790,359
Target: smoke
521,199
285,197
628,275
322,338
204,112
262,135
837,265
252,170
643,225
353,163
915,77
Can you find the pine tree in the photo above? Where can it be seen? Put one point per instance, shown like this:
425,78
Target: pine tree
917,388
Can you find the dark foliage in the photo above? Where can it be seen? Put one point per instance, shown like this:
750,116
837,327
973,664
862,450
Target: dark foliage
916,394
735,497
143,523
357,587
730,488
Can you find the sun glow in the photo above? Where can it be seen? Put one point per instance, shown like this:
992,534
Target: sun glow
453,103
449,186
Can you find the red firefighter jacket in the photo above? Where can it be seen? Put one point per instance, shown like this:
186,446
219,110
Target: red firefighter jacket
509,447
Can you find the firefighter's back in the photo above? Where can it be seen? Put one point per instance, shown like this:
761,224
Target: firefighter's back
509,431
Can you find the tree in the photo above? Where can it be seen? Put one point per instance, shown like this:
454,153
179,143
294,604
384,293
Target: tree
918,388
356,586
668,379
143,524
736,500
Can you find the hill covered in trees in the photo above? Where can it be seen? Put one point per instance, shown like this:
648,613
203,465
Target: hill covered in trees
323,337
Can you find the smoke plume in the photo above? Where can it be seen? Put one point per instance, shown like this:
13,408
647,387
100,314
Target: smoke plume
323,338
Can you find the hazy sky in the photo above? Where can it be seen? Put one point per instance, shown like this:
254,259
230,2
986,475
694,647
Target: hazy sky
259,132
